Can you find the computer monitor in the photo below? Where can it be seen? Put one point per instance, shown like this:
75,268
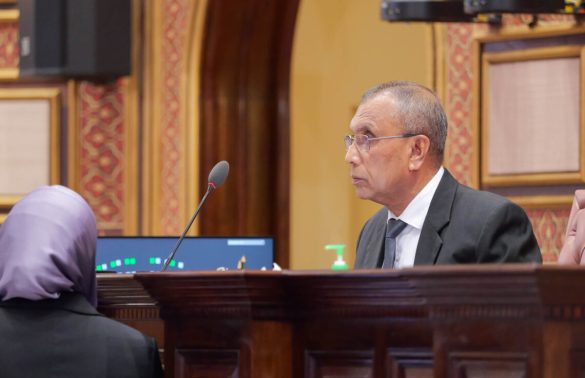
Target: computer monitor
125,254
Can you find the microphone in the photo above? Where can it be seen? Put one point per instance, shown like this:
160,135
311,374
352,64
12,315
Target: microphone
217,176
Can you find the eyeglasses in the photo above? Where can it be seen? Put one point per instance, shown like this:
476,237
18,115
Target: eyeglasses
363,141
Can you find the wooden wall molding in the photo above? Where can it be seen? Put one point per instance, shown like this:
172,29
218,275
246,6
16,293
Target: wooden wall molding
410,362
245,75
207,363
467,312
488,364
565,312
336,363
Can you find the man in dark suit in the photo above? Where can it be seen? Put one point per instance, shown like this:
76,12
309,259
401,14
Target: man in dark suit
396,155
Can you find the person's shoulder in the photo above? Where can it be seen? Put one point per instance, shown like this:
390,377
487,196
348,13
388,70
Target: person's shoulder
484,198
450,186
81,313
119,331
118,328
481,195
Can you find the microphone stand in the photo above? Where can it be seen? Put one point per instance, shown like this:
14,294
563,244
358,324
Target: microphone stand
210,188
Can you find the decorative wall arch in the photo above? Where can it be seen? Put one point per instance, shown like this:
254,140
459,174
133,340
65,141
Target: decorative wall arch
244,117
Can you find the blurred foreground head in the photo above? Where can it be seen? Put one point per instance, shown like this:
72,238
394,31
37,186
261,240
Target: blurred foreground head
47,246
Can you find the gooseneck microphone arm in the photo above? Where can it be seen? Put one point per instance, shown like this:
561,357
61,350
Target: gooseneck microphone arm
217,176
210,188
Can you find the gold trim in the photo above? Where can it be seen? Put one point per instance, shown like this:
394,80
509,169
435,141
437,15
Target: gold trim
532,54
7,74
191,137
130,205
582,115
182,128
507,34
53,97
55,106
543,202
157,120
29,93
131,133
440,56
532,178
476,144
431,51
7,202
9,15
151,224
72,137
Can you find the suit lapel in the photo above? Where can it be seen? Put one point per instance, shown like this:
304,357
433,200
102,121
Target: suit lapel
438,217
376,243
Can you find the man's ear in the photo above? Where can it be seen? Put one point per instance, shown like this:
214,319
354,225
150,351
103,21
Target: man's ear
419,150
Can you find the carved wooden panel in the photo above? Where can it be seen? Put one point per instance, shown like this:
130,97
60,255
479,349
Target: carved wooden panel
199,363
355,364
479,321
578,363
409,363
488,365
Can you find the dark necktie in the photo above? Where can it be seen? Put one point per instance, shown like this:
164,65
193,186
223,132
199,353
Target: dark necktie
393,228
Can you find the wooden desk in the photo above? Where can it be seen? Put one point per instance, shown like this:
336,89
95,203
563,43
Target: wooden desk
449,321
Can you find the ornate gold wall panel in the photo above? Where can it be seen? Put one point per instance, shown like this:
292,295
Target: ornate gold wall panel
168,140
461,106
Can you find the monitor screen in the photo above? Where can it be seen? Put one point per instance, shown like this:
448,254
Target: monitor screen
147,254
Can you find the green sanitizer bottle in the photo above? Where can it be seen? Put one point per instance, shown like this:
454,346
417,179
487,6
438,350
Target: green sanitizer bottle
339,263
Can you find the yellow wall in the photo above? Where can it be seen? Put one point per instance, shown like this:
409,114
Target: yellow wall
341,48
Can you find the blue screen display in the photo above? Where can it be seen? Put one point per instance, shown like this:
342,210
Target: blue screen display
147,254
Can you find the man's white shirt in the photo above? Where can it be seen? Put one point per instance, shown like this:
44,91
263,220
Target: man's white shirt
414,216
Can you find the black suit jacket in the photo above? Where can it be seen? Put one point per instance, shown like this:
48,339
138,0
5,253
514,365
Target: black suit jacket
463,225
67,337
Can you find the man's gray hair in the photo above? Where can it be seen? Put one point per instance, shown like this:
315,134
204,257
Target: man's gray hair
418,110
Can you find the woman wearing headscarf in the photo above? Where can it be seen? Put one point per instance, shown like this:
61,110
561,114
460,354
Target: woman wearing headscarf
49,325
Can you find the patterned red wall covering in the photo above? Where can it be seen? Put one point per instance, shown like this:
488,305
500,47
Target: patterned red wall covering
549,227
9,45
174,51
458,106
101,152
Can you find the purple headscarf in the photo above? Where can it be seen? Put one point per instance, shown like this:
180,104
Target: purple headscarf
47,246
